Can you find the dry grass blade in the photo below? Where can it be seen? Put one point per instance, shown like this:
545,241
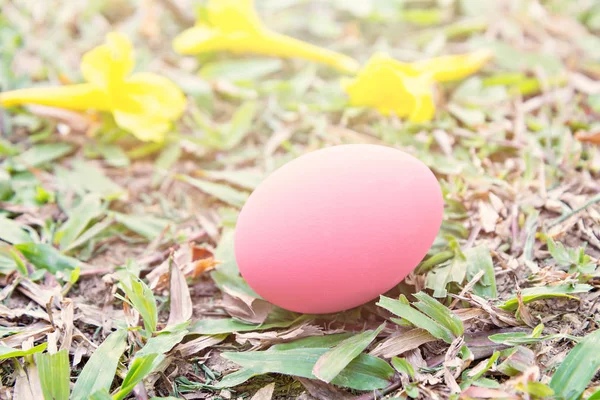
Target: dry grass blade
244,307
405,341
264,393
180,299
197,345
323,391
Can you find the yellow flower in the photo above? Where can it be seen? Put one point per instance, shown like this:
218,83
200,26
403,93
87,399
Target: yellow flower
144,103
406,89
234,25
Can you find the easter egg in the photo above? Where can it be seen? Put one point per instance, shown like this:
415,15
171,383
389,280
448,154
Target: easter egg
337,227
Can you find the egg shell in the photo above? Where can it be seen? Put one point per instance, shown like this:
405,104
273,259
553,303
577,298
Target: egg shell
337,227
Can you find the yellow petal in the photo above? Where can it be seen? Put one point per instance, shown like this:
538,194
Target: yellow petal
148,128
74,97
235,26
381,85
233,15
156,95
108,65
158,103
199,39
285,46
449,68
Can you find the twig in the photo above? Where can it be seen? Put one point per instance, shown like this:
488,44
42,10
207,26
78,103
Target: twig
181,16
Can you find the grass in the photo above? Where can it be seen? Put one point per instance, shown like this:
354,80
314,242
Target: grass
93,223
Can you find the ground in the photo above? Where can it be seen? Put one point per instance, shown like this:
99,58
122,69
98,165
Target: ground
514,147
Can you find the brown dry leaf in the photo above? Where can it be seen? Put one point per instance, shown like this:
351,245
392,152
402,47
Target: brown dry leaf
523,312
488,217
245,307
40,295
323,391
197,345
263,339
588,137
66,316
180,299
192,260
265,393
27,385
32,332
405,341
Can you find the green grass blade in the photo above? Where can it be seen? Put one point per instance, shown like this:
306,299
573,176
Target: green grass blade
11,231
439,313
224,193
100,369
138,370
47,257
54,372
9,352
363,373
416,318
88,209
578,368
545,292
330,364
142,299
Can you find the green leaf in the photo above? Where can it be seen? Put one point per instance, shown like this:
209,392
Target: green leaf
142,299
416,318
595,396
246,178
47,257
80,217
101,395
468,116
240,70
41,154
11,231
216,326
138,370
479,258
162,343
576,371
439,277
330,364
240,124
113,154
224,193
545,292
439,313
363,373
403,366
147,226
100,369
516,360
86,178
319,342
165,161
54,372
9,352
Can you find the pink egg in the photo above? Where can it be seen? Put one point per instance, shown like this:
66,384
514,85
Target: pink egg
337,227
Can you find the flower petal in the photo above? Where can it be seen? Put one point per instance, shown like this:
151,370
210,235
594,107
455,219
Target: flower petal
449,68
73,97
199,39
382,86
148,128
107,65
156,95
234,26
233,15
